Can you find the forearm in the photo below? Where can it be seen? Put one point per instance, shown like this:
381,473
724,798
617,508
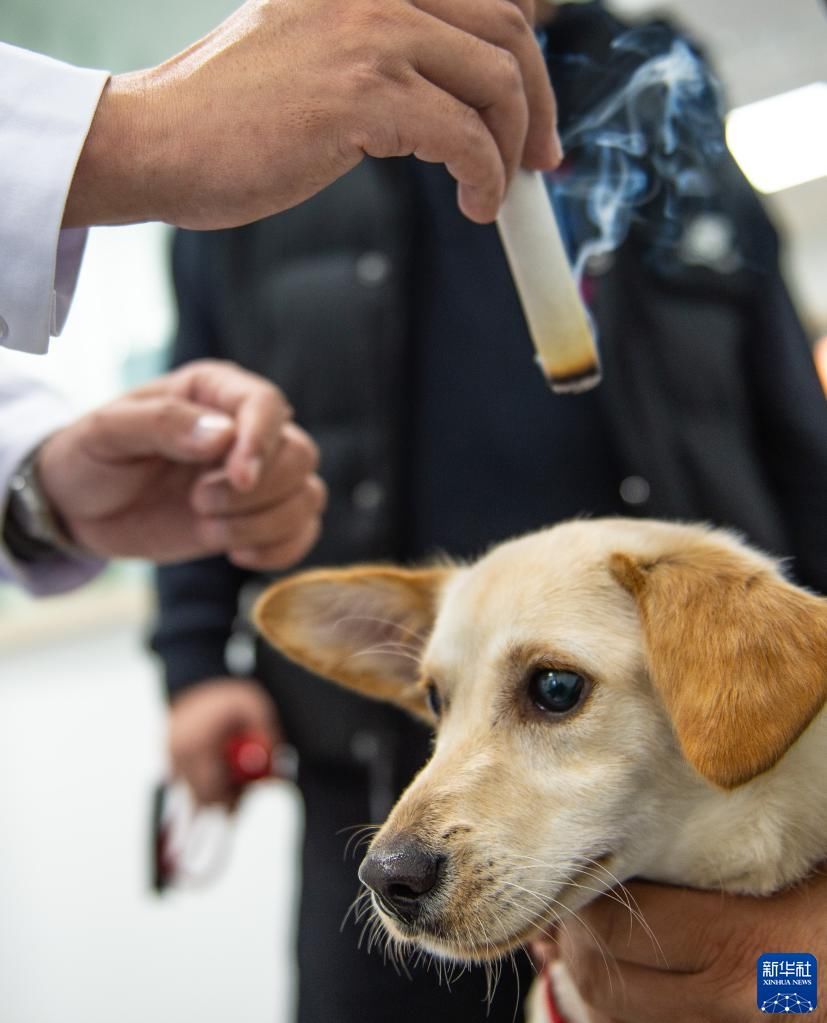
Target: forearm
117,178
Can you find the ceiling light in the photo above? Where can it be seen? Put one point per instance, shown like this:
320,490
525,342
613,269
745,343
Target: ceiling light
781,141
632,8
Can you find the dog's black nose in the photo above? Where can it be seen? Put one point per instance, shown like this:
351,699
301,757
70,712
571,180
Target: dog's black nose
401,873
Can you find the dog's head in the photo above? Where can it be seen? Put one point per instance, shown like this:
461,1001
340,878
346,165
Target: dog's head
581,681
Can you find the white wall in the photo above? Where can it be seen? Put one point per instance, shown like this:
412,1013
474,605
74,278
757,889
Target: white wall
115,35
82,940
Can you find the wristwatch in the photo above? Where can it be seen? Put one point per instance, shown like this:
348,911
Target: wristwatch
32,529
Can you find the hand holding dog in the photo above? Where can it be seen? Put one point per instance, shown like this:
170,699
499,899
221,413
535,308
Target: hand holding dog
704,969
202,461
284,97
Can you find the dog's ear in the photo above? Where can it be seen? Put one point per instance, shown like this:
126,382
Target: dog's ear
737,653
364,627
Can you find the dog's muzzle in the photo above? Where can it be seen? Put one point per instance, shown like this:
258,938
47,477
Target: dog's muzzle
402,873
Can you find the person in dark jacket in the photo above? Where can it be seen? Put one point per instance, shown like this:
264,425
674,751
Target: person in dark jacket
393,326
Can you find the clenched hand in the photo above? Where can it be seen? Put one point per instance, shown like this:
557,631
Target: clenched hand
287,95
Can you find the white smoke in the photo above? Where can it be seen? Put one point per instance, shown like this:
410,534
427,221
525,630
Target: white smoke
641,151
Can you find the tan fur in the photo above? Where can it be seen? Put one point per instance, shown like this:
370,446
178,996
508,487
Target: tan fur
696,758
363,627
738,654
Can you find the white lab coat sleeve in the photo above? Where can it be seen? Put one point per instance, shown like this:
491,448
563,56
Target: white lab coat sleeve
46,109
29,412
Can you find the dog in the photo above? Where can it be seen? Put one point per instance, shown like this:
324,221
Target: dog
611,699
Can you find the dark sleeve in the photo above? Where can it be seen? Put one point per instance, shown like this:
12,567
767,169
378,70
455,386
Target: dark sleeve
197,600
792,420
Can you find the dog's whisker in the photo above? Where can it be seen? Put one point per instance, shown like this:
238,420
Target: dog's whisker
360,844
493,967
356,827
385,947
361,912
398,952
621,894
616,891
493,971
357,843
360,833
556,918
530,958
614,895
390,953
606,955
358,908
517,995
368,925
376,936
550,902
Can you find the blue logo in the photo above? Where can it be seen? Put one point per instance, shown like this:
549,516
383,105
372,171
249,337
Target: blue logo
787,982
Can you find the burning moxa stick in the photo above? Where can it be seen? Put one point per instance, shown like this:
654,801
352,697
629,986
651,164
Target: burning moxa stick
556,319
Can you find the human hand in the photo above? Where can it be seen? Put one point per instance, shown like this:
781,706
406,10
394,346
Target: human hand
698,963
202,719
139,477
287,95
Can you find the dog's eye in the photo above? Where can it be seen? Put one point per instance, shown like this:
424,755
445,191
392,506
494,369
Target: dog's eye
434,700
556,691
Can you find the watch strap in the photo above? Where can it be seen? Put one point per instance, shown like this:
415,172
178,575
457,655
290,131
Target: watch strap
32,529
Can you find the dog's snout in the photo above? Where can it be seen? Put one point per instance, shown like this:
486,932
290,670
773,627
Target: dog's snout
402,873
